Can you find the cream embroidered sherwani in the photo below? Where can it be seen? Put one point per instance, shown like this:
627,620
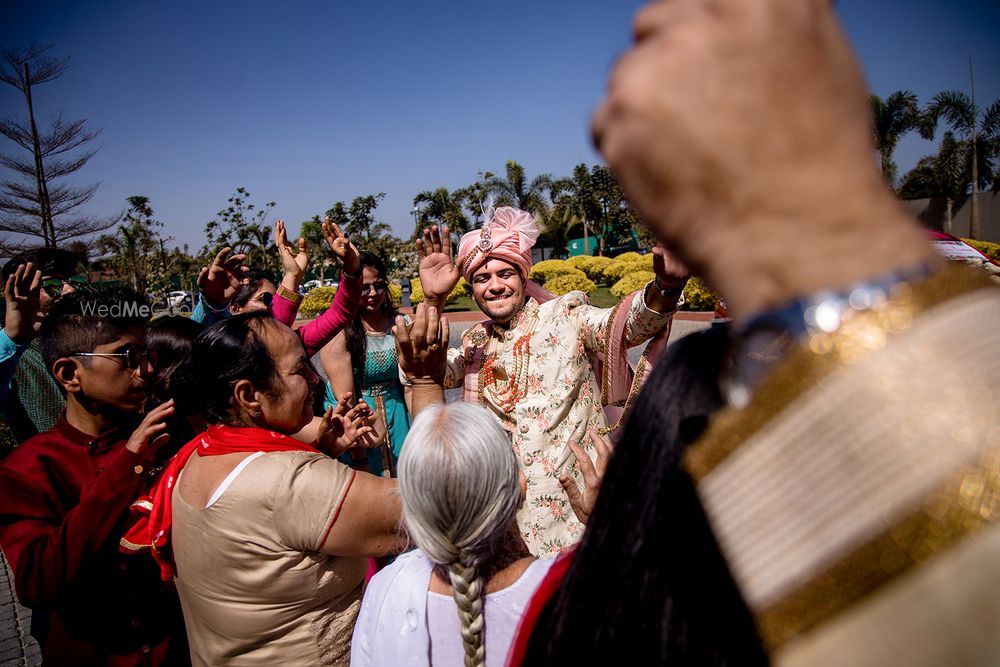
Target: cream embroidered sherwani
547,353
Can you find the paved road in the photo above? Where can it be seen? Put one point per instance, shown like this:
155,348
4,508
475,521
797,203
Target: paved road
16,646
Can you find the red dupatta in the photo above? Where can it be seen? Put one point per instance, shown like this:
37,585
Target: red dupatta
152,530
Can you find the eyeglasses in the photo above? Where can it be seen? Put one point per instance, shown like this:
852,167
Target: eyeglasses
133,356
265,298
54,286
378,287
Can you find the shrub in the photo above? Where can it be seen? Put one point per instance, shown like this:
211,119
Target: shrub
629,256
618,268
317,300
548,269
417,292
396,292
595,268
592,266
698,297
991,250
644,261
570,282
631,282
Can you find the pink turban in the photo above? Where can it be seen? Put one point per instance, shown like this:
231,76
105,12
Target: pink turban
509,236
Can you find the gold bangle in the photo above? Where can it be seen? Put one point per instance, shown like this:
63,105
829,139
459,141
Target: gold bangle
286,293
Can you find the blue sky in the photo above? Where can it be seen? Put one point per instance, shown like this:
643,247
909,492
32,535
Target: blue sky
309,103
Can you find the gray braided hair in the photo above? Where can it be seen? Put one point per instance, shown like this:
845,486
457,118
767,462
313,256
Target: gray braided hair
459,489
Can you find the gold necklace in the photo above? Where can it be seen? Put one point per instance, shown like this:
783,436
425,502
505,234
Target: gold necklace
506,394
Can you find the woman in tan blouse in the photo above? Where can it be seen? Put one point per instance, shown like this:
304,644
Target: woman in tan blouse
266,536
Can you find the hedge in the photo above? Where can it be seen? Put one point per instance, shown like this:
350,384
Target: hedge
396,292
991,250
570,282
619,268
417,292
698,297
317,300
592,266
631,282
548,269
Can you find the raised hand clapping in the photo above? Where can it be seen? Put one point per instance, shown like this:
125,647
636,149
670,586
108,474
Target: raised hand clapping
342,428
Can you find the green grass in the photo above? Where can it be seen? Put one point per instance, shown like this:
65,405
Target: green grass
463,303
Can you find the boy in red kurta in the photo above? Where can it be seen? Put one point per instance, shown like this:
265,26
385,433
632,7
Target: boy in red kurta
65,495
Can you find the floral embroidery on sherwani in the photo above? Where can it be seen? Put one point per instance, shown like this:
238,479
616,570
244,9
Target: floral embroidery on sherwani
562,399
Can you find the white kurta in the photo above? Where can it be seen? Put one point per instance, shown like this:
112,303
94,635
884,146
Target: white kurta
561,397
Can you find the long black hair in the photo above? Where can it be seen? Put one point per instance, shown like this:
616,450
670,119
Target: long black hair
169,340
648,580
357,341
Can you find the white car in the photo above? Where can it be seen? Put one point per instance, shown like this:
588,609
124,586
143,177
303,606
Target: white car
181,300
174,302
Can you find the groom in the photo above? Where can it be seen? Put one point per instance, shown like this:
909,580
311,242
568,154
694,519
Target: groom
532,362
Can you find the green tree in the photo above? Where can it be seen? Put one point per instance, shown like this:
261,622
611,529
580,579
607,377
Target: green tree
316,248
599,203
440,207
338,214
135,251
38,203
243,227
977,131
892,118
359,222
514,189
945,174
577,194
474,199
559,219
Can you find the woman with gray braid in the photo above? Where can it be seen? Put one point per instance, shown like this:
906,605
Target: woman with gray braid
456,599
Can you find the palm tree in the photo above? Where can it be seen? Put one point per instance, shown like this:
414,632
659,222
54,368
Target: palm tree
891,119
474,198
943,175
577,194
557,221
442,208
978,133
516,190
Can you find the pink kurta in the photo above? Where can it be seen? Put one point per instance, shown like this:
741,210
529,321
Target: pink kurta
319,332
